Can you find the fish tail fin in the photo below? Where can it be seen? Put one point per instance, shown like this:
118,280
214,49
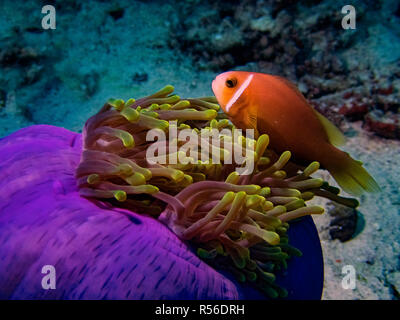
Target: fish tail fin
351,176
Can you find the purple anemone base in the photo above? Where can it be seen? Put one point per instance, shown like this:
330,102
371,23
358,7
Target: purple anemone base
103,252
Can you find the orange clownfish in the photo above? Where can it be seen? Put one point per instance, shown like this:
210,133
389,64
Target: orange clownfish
272,105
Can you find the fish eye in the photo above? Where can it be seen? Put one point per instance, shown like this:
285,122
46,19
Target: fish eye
230,83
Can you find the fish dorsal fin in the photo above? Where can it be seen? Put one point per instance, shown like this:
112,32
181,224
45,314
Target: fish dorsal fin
290,85
334,135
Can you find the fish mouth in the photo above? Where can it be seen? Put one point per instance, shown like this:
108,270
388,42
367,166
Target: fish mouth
214,89
213,84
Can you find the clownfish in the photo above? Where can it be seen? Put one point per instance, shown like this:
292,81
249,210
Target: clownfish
272,105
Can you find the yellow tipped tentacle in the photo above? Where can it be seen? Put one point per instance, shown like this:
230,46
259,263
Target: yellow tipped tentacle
241,218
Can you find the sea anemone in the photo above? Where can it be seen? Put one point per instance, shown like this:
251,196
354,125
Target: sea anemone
238,222
100,251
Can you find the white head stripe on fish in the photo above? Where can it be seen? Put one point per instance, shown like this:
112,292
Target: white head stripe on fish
239,92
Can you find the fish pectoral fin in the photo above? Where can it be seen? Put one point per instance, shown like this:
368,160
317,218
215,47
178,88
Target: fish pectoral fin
335,136
253,122
252,119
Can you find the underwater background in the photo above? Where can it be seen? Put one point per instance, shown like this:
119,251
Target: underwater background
123,49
